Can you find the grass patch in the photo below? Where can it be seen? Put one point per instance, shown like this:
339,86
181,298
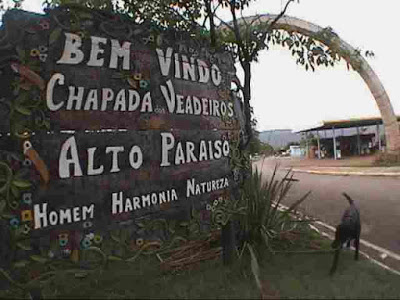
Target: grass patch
306,276
284,275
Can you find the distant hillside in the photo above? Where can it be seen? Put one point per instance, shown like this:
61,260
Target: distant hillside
279,137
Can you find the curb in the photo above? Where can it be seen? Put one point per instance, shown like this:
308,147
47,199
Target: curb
337,173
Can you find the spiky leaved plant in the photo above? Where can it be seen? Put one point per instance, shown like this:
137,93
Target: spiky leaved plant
263,220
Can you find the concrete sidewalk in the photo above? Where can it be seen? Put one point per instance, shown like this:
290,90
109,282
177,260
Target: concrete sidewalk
346,171
357,166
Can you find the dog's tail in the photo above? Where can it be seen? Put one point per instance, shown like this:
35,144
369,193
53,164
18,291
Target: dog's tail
351,201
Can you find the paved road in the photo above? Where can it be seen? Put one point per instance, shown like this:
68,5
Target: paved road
378,199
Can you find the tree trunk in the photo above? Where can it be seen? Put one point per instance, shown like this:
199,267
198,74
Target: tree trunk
212,24
228,243
246,98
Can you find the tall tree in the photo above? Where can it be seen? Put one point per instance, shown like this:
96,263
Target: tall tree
246,37
313,46
244,42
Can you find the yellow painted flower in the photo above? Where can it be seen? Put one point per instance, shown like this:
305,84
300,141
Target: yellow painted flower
35,52
26,215
139,242
97,239
137,76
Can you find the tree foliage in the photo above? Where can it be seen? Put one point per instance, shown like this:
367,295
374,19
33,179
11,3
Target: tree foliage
4,5
243,37
182,14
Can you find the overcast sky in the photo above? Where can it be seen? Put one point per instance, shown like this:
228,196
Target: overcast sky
285,96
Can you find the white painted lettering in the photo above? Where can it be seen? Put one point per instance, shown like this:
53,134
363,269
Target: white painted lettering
64,163
120,102
116,203
147,105
72,54
164,60
40,215
204,71
49,91
107,96
92,102
94,60
167,143
216,75
136,157
114,150
76,215
91,170
77,98
120,51
169,97
134,100
188,69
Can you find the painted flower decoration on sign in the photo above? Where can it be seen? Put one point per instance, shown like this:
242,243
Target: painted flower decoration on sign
14,222
85,243
27,198
44,24
97,239
35,52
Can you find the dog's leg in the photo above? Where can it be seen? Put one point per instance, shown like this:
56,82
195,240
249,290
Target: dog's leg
335,261
348,244
357,245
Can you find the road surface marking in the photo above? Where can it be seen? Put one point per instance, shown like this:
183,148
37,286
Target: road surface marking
363,242
363,253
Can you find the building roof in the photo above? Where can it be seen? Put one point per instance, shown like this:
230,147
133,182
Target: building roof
354,122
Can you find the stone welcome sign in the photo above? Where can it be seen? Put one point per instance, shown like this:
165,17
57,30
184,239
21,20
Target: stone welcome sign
116,121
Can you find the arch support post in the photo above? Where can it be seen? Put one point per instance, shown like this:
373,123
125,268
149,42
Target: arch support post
334,143
358,63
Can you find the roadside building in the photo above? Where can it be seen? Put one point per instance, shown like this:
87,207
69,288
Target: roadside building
343,138
296,151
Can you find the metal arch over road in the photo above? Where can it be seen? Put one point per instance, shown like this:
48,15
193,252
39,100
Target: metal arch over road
333,41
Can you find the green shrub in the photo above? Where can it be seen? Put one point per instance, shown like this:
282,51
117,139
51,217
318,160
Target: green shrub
262,220
387,159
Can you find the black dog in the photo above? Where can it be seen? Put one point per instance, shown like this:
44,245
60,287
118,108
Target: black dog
349,229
